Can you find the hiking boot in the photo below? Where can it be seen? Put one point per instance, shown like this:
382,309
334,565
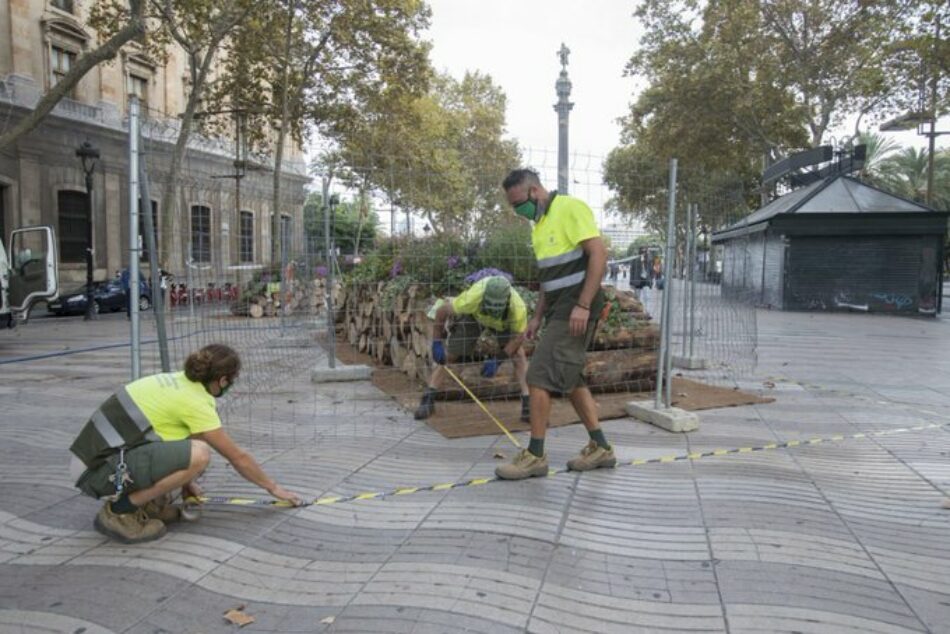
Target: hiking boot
525,408
525,465
427,405
129,528
593,456
161,508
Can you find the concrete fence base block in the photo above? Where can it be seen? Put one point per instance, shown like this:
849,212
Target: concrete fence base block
671,419
689,363
341,373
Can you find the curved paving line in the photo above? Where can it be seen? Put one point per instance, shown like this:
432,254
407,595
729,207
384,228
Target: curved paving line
639,462
862,397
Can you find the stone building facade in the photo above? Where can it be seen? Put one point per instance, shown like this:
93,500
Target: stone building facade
42,181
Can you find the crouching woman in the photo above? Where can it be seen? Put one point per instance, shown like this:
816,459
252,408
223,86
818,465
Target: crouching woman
155,435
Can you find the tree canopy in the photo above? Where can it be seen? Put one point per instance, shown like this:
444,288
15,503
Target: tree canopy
737,84
441,155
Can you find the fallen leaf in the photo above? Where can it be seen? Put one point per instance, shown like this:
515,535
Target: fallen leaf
238,617
328,620
499,455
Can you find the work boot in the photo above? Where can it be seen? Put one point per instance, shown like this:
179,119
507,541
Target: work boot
161,508
427,405
525,408
129,528
525,465
593,456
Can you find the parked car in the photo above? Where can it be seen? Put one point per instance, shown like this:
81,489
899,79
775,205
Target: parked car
108,297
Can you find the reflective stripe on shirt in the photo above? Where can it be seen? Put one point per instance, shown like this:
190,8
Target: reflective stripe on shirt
563,258
563,282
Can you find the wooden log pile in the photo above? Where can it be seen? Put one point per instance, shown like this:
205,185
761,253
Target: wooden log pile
300,296
396,331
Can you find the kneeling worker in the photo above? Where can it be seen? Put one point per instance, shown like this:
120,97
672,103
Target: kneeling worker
490,304
153,436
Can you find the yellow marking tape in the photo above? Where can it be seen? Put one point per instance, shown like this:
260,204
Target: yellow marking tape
484,409
378,495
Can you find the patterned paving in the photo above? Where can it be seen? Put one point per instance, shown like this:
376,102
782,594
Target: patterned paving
842,536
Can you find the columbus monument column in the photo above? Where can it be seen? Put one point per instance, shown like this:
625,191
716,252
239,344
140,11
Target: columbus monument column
563,109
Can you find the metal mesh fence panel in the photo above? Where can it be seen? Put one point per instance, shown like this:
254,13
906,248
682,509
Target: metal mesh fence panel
233,269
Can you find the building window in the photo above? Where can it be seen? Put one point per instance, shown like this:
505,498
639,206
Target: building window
144,243
247,237
63,5
61,61
201,234
73,226
3,226
138,86
286,232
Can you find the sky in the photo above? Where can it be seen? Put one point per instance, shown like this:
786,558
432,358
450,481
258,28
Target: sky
517,43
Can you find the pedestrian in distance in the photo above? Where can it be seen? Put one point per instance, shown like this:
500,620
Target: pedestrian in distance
155,435
492,305
571,259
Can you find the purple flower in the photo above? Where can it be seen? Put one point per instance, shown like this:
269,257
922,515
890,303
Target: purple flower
320,271
489,272
453,261
396,270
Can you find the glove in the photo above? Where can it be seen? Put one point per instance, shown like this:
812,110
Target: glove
490,368
438,352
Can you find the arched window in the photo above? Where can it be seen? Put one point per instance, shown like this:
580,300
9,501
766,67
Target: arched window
247,237
201,234
142,235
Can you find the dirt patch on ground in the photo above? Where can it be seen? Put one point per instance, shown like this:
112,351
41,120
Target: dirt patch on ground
464,419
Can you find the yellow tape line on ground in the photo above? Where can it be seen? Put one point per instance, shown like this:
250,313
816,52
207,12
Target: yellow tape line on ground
484,409
637,462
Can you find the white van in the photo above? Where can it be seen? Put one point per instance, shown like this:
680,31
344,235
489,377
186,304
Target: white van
28,274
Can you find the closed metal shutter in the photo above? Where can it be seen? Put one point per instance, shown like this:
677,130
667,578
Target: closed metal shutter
872,273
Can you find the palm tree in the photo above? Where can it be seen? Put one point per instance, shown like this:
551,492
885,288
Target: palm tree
879,148
905,174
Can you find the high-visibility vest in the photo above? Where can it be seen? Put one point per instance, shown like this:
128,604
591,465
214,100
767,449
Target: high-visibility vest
117,423
562,262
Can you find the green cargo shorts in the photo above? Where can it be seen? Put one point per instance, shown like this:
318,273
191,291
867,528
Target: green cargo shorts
463,339
147,464
557,364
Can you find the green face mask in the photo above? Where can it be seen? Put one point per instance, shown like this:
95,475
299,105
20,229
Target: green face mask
528,209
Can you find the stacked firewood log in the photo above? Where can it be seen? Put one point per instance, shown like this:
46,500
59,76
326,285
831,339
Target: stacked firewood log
396,331
298,297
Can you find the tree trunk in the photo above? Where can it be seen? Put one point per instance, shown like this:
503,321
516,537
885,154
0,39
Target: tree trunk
282,134
175,204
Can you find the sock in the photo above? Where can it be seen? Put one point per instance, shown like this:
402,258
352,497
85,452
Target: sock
598,437
122,506
536,446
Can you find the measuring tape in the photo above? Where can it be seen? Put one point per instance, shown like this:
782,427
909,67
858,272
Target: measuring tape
638,462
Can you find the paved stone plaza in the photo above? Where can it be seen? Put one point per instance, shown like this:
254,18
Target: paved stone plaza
837,536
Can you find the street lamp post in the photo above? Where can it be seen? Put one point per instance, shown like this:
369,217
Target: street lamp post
923,116
89,155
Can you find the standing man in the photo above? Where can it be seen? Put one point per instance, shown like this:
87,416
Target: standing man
490,304
572,259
